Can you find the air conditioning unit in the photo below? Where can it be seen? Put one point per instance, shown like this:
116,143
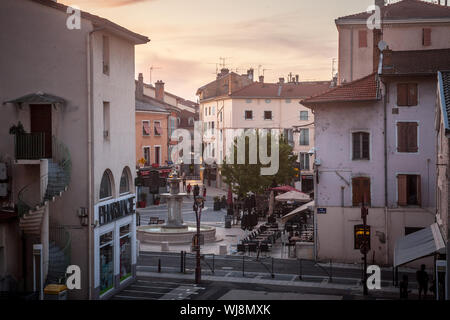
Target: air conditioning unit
106,133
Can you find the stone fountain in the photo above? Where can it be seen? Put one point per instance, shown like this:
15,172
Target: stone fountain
175,231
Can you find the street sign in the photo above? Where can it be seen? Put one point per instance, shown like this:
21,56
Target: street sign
321,210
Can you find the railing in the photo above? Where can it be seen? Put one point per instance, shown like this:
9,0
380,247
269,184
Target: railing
62,239
32,195
29,146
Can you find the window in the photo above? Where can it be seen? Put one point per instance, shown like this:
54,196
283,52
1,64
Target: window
106,262
145,127
209,110
172,125
157,154
407,137
248,115
105,55
288,100
407,94
426,37
106,186
179,121
220,116
362,236
157,128
268,101
361,191
409,190
213,111
106,121
125,252
409,230
206,111
248,101
304,137
304,115
191,121
147,156
267,115
125,181
362,34
304,161
361,142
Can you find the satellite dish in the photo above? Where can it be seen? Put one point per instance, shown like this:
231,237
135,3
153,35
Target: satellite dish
382,45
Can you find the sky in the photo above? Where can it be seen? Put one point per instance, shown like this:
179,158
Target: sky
188,37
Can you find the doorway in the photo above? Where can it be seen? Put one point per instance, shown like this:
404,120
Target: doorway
41,122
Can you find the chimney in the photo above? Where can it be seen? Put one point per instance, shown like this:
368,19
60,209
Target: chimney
261,79
281,81
223,71
380,3
250,73
159,90
297,78
140,86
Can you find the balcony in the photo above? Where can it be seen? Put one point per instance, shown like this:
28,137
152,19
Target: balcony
30,146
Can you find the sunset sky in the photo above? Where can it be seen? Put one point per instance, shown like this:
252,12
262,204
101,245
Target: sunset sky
189,36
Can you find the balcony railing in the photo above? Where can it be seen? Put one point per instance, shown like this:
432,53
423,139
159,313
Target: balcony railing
29,146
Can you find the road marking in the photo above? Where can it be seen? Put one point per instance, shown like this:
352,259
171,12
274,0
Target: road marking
136,298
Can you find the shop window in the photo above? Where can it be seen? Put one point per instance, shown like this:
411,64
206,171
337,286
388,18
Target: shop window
409,190
248,115
145,128
361,143
125,181
407,94
304,137
361,236
125,252
106,186
267,115
106,262
361,191
407,137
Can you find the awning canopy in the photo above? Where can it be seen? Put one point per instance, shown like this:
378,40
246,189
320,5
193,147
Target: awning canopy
293,196
418,245
297,211
284,189
37,98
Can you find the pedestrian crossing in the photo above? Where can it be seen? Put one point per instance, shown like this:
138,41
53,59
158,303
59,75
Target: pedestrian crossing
154,289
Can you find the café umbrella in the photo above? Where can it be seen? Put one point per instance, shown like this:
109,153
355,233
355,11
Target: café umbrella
293,196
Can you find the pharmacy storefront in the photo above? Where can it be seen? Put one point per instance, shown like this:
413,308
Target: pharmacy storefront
114,245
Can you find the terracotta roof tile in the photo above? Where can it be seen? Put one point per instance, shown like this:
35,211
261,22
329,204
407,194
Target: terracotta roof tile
406,9
364,89
285,90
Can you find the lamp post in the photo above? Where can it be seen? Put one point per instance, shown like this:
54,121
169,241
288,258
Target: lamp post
198,204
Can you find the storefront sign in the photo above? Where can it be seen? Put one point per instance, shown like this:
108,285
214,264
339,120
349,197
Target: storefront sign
321,210
116,210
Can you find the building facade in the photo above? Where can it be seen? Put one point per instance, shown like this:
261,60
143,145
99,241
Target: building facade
71,162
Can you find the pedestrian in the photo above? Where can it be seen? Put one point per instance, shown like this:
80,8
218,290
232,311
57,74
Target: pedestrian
188,189
404,288
204,191
422,281
196,190
184,181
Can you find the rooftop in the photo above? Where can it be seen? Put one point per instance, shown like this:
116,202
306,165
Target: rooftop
364,89
406,9
282,90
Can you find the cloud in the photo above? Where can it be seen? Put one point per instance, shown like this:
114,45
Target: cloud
113,3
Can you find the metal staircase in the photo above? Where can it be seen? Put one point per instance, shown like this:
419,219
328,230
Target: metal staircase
59,254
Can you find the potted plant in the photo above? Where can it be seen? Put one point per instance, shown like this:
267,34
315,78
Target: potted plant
143,202
224,202
217,203
17,129
156,201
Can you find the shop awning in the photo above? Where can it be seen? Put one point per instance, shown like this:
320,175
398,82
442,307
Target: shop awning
293,196
37,98
297,211
418,245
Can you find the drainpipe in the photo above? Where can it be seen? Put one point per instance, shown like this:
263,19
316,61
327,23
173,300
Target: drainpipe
386,214
351,54
89,53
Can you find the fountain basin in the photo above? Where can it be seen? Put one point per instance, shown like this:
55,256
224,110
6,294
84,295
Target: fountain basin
155,234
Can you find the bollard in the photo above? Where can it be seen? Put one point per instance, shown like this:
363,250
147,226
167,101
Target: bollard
273,275
159,265
213,264
181,262
243,265
331,270
184,262
300,269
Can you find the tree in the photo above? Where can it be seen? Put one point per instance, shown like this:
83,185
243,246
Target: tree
245,178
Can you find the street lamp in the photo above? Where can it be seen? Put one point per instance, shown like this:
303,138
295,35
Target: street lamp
198,205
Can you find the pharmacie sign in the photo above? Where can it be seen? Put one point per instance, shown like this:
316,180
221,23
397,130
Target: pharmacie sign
115,209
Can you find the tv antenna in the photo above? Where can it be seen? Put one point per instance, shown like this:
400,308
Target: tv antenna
151,71
223,61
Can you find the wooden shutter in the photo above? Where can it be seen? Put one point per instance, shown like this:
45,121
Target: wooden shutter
412,94
366,190
402,94
363,38
356,146
426,37
402,135
365,146
402,189
356,192
419,190
412,136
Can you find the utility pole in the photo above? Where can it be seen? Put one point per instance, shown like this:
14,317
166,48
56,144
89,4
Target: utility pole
198,205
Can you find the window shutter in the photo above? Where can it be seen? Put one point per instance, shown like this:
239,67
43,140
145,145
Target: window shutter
426,37
363,38
366,190
412,94
402,94
402,128
412,137
402,196
356,191
365,146
356,147
419,190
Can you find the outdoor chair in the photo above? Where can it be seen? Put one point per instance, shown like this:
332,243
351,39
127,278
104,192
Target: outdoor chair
252,247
